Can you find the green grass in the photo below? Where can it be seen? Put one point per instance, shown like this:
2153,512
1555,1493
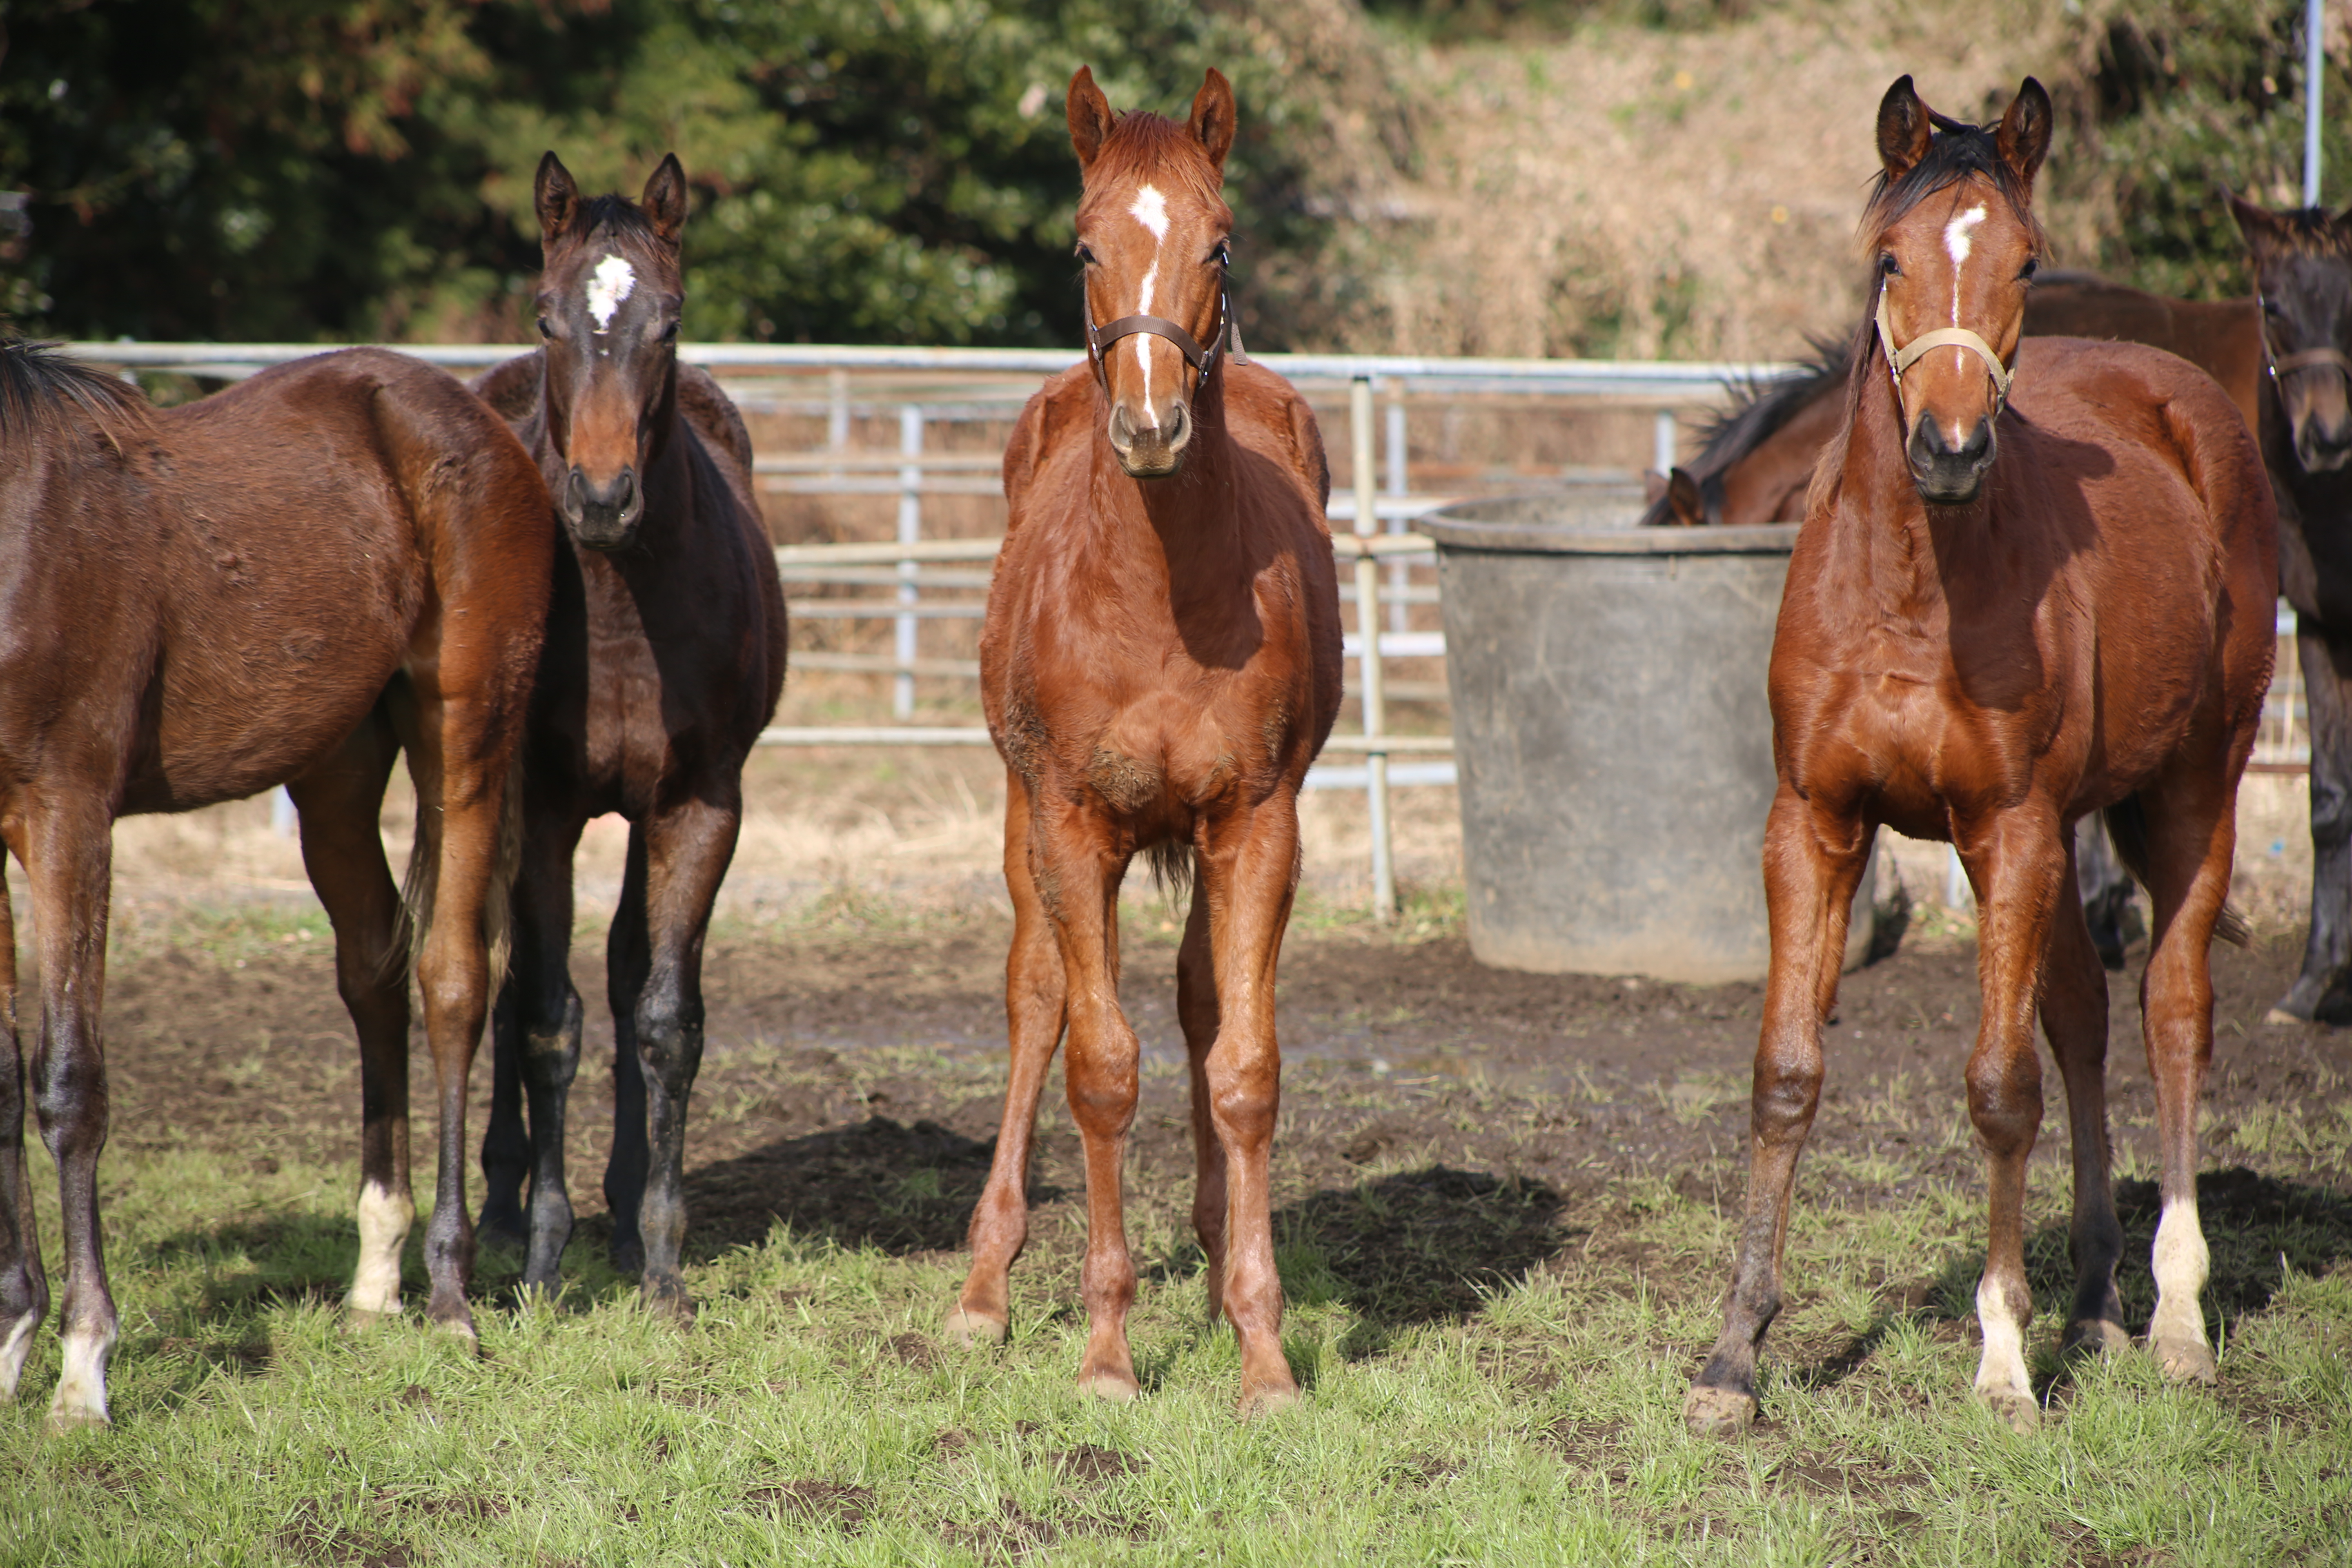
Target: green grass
810,1414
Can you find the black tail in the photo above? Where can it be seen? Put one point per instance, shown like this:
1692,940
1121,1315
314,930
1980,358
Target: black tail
1171,869
2128,831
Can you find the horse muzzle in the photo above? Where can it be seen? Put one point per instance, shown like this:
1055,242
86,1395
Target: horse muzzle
1948,476
1152,451
604,515
2323,446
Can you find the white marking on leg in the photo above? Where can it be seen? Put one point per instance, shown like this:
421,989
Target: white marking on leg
1956,241
13,1351
2180,1266
384,1218
2001,1370
81,1387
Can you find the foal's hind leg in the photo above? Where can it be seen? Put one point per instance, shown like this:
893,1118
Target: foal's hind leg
2075,1017
24,1288
1811,866
677,858
535,1051
68,862
341,801
1196,1010
1035,991
2192,836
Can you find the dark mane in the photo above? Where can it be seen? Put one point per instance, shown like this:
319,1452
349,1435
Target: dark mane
1758,409
614,215
40,384
1955,152
2307,231
1144,143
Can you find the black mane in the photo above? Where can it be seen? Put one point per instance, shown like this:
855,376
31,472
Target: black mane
40,384
1758,409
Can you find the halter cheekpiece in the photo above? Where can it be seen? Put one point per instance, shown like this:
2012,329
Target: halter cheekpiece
1228,336
2280,364
1899,360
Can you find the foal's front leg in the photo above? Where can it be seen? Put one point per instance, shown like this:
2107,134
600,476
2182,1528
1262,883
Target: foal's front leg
24,1288
1812,863
1079,867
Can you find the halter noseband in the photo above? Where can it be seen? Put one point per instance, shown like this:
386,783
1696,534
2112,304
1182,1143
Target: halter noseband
1898,362
1227,335
2302,359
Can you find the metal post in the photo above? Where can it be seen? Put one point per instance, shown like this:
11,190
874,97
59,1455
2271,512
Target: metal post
911,529
836,414
2313,61
1663,443
1368,626
1399,573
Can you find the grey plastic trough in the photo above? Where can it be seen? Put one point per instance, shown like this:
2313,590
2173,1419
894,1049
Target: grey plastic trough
1612,734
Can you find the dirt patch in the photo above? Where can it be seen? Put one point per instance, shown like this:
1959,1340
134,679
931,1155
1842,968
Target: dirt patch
1090,1464
844,1506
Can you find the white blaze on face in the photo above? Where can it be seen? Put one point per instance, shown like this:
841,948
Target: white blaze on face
1149,208
1955,241
613,281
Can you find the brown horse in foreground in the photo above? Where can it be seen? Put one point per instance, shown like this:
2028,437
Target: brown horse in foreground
2303,283
290,583
1997,619
1159,663
665,657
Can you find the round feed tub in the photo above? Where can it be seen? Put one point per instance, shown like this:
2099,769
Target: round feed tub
1613,739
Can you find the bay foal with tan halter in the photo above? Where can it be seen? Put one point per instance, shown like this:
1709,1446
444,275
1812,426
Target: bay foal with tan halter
1159,663
2002,616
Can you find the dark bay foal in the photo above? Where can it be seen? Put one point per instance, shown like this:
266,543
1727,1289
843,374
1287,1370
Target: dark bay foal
2002,613
664,659
1159,663
293,582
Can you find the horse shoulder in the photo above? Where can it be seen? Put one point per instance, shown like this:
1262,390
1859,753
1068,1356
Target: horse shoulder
713,415
512,389
1267,412
1066,403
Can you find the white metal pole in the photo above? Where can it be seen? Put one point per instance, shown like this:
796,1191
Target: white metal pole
1663,443
2314,59
911,529
1399,573
1367,627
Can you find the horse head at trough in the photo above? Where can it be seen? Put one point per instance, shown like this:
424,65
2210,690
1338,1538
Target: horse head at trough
1155,239
609,300
2302,280
1955,245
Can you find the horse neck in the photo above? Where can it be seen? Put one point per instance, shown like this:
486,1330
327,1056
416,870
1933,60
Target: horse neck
1191,515
1888,540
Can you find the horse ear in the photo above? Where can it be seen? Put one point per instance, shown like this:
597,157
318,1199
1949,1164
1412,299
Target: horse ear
2023,139
557,198
2256,223
665,200
1213,117
1903,130
1091,118
1684,502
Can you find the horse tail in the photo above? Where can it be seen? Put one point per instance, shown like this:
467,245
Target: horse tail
2128,831
423,879
39,383
1171,869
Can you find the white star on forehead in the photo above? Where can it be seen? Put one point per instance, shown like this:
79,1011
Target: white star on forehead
612,282
1151,210
1956,233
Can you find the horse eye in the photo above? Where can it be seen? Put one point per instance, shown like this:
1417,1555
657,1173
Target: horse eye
1085,255
669,333
1886,268
1224,253
546,328
2032,266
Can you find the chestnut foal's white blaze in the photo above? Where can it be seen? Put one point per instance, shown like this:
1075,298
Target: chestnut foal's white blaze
384,1218
1149,208
1958,243
613,281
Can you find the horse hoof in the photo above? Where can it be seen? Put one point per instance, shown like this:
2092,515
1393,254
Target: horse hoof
2018,1411
2279,1017
1710,1412
67,1420
1268,1402
2096,1337
359,1320
1112,1387
973,1331
2187,1360
667,1298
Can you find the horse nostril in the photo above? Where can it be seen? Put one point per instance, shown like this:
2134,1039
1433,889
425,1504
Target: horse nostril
1978,444
624,491
575,494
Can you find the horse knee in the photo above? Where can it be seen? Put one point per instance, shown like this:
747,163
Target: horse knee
1242,1112
670,1036
550,1046
2005,1101
1787,1091
70,1101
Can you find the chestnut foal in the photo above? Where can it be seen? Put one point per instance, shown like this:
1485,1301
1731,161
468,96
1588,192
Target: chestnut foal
1159,663
2000,616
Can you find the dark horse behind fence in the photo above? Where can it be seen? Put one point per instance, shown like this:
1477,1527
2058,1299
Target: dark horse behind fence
1160,664
2002,615
293,582
664,659
2303,283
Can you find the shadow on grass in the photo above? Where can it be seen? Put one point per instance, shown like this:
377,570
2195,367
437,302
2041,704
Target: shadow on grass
292,1260
881,1184
1417,1246
2256,1226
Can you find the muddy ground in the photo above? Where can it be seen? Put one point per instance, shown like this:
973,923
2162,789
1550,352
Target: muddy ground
853,1074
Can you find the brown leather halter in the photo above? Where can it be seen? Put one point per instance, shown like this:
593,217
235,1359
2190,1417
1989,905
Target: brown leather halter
2280,365
1227,335
1898,362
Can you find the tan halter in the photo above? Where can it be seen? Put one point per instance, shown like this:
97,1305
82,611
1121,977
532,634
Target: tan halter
1900,361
